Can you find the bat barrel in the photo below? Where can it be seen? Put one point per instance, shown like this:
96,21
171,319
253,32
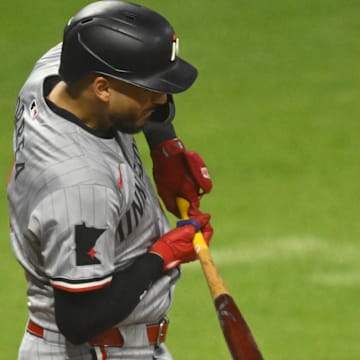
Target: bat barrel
237,334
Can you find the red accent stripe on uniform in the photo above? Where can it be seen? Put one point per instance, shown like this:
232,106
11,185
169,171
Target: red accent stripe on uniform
80,287
103,352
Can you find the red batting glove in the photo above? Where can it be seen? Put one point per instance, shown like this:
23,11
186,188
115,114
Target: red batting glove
179,173
175,247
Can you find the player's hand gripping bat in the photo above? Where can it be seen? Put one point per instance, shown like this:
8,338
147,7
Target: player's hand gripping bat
237,333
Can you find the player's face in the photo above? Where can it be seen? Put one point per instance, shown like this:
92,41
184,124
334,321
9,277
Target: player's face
131,106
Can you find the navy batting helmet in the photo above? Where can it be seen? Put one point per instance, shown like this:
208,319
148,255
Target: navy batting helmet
125,41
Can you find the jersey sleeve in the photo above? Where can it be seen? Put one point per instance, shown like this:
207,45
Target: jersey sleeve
76,228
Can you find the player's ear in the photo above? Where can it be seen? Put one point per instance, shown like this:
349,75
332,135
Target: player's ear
101,88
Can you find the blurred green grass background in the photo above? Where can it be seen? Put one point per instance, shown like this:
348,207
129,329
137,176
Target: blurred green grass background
275,114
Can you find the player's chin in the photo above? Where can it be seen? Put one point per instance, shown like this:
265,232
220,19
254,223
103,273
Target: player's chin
130,129
131,125
139,124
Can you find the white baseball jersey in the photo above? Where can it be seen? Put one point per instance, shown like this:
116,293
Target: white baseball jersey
81,205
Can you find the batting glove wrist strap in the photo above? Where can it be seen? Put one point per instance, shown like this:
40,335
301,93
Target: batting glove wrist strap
189,222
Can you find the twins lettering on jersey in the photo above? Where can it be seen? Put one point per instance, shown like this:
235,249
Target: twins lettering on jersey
133,215
136,210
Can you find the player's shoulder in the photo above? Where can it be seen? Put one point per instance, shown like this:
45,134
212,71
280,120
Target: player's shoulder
31,107
47,65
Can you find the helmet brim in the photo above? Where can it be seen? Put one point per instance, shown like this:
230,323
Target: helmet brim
178,77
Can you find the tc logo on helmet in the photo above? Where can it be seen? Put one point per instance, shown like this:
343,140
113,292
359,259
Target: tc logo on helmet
175,48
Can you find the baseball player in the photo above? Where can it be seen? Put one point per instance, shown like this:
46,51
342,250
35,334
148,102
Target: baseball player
86,225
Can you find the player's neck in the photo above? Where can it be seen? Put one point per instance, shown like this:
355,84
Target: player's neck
79,104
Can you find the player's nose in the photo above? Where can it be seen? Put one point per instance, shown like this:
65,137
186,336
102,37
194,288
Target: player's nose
159,98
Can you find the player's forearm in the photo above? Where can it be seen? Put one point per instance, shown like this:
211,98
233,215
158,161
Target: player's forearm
155,133
81,316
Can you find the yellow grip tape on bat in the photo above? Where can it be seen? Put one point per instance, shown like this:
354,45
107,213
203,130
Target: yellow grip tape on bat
198,241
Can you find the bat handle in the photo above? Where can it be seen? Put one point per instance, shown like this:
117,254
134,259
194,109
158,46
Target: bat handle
198,241
212,275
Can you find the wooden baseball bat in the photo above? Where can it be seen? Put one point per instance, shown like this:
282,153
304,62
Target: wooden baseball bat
237,334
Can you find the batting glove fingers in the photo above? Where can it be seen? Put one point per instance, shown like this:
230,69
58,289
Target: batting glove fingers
175,247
